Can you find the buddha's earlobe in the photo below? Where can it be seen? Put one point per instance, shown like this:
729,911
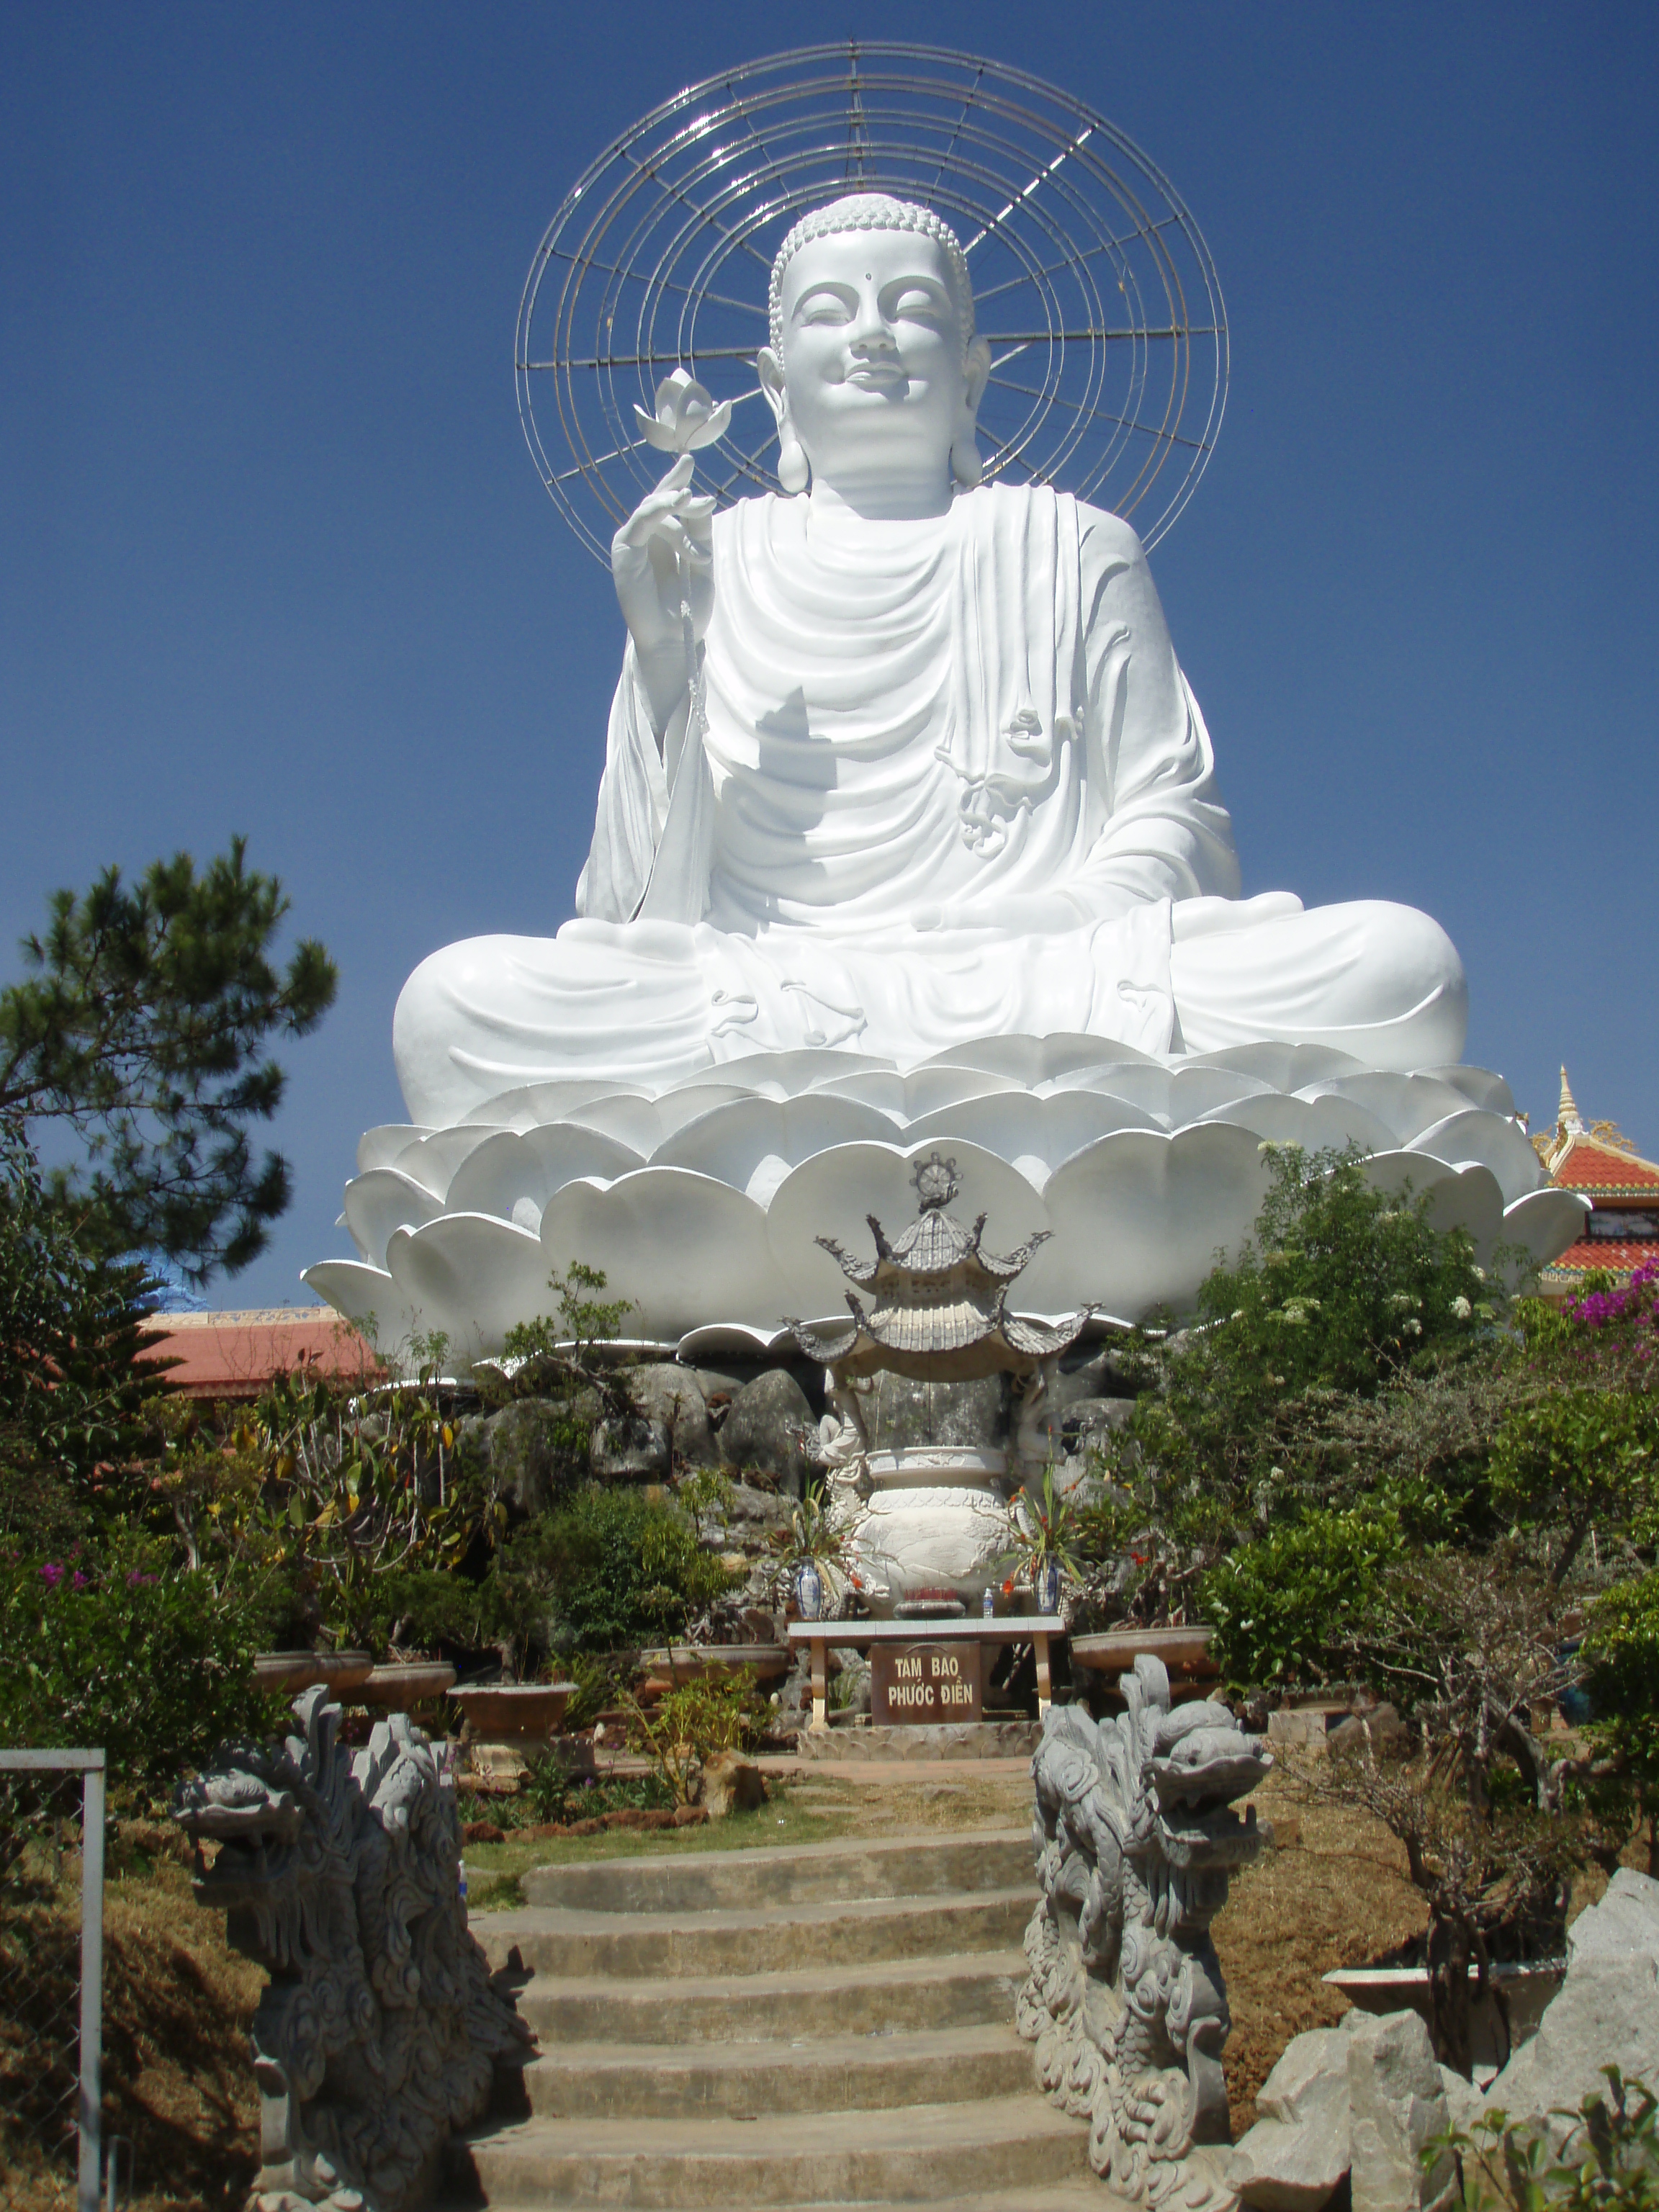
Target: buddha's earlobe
793,473
966,467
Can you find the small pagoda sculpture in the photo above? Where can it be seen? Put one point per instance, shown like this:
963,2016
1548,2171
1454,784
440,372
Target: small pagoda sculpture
938,1303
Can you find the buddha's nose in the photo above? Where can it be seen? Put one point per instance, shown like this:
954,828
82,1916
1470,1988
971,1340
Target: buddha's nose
870,333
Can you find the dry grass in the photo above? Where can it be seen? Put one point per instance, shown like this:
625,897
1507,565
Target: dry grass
178,2085
1334,1893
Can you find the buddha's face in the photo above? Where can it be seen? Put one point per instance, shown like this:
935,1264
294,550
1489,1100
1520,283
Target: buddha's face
874,373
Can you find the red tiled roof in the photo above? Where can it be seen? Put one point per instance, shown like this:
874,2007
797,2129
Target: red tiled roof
1615,1257
234,1355
1598,1170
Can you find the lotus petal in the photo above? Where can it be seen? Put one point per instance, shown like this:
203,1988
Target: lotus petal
1469,1198
1478,1086
432,1163
1283,1066
378,1148
381,1202
1031,1060
1034,1135
928,1089
472,1277
752,1145
676,1108
1406,1105
880,1087
1318,1125
1139,1217
369,1299
722,1340
623,1115
681,1246
530,1104
808,1068
511,1168
1472,1135
1544,1222
832,1193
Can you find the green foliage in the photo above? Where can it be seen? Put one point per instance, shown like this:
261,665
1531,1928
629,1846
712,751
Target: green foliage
552,1792
610,1568
689,1724
1046,1526
1346,1304
73,1391
121,1649
1292,1605
142,1030
1620,1654
1581,1453
1609,2161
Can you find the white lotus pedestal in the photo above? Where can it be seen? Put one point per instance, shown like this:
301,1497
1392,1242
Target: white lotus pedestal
934,1530
509,1725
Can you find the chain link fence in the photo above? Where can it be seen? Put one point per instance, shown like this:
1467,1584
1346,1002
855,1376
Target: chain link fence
51,1953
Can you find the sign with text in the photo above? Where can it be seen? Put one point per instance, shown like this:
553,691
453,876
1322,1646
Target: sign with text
912,1683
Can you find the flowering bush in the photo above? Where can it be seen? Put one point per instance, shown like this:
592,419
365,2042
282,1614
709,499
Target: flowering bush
124,1652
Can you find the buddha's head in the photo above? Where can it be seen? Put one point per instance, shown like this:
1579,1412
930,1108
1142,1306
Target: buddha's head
874,373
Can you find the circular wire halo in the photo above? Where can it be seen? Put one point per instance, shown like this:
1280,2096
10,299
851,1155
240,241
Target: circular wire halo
1091,281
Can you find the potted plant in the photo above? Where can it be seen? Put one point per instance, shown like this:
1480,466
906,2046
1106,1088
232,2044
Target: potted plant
1043,1550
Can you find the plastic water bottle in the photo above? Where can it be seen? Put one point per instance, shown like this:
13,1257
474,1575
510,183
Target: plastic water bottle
989,1605
461,1870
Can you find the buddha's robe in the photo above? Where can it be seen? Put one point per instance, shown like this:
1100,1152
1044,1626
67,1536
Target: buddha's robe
948,781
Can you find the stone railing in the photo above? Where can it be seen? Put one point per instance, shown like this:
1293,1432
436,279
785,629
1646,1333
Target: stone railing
1137,1840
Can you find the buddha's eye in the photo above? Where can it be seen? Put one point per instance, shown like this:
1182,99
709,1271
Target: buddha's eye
824,305
918,303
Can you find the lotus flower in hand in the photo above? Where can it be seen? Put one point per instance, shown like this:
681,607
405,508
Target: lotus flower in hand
686,419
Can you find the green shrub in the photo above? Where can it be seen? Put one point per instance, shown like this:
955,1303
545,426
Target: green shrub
1289,1607
612,1568
1609,2161
126,1652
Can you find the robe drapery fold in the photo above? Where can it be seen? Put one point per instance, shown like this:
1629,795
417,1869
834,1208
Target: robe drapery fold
949,781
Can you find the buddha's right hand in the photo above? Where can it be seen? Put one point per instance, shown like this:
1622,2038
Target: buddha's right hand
662,560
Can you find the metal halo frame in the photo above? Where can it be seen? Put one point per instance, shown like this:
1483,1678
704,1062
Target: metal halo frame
1091,281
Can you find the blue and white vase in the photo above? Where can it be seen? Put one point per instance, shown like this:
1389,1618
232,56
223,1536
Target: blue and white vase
1048,1585
808,1591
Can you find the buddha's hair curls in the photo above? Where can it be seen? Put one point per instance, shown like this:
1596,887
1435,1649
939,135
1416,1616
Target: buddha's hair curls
873,211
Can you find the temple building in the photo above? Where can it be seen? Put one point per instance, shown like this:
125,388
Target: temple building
1600,1162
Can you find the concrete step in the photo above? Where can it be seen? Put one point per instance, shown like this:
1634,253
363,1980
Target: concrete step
707,1881
844,2072
918,2153
770,1939
969,1990
1085,2195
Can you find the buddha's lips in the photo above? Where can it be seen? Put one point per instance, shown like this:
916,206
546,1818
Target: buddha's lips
874,377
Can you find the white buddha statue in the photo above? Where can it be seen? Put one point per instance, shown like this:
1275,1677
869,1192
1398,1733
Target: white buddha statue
947,780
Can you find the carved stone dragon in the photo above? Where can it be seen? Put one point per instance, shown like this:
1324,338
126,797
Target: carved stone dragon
377,2035
1137,1841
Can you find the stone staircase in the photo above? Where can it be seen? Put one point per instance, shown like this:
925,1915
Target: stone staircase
826,2026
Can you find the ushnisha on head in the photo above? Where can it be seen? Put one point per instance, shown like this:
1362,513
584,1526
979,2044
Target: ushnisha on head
874,373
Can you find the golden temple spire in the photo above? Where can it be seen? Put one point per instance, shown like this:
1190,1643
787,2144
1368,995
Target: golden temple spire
1568,1118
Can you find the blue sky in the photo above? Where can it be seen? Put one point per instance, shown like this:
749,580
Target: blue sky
274,558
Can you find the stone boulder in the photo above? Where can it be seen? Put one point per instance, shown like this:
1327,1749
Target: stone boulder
761,1429
1295,2156
731,1783
635,1448
1360,2099
663,1391
525,1447
1605,2012
1396,2101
